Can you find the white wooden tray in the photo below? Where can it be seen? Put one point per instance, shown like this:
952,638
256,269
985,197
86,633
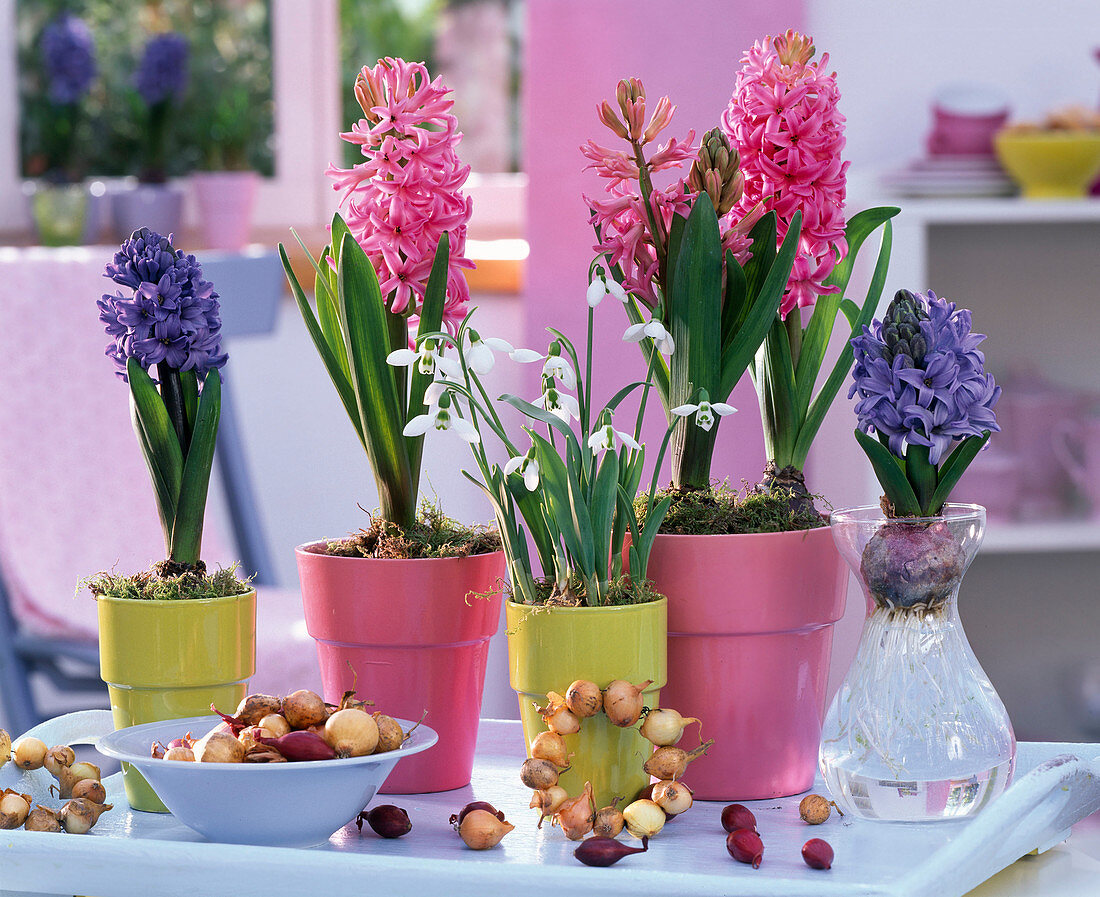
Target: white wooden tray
132,854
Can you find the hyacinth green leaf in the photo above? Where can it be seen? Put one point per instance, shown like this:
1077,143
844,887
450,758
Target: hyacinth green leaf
187,532
890,476
189,387
953,468
339,230
851,312
158,442
363,321
828,392
324,294
431,320
761,315
736,307
675,242
762,253
777,400
331,360
819,331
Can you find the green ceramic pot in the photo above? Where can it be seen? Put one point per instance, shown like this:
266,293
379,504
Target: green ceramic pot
171,659
551,647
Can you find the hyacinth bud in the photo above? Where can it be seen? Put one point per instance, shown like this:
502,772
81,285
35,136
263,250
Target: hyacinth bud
609,118
794,48
901,329
717,172
368,93
631,96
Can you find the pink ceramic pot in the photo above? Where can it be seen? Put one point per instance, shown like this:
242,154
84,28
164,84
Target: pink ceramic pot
226,199
750,631
410,636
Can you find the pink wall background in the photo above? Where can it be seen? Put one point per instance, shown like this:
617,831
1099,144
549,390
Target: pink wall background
577,50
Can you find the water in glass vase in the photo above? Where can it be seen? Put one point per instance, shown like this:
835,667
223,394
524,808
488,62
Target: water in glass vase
916,731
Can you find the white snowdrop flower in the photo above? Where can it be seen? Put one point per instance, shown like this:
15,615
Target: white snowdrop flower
440,417
430,352
479,353
528,467
605,437
560,404
557,367
655,330
704,412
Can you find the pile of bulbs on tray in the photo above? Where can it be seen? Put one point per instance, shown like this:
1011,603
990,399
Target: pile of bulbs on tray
79,783
301,726
644,817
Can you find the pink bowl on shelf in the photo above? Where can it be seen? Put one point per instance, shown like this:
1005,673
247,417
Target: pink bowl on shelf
964,119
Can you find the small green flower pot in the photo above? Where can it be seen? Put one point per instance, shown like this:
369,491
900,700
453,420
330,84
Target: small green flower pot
551,647
171,659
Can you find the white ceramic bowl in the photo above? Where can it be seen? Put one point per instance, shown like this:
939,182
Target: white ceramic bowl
275,804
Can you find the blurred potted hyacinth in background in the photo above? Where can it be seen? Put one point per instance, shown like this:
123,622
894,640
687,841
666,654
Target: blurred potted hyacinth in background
160,81
915,705
59,203
395,596
161,652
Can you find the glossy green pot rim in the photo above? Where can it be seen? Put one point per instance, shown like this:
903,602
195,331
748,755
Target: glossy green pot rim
539,609
174,602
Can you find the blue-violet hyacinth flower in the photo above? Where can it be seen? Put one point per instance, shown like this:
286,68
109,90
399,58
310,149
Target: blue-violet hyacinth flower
162,72
68,58
933,398
166,312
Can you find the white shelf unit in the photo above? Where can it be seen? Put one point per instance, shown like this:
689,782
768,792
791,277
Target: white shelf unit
1004,537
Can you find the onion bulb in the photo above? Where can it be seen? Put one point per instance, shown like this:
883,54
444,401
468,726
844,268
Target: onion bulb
550,746
584,698
219,747
609,821
351,733
79,815
254,708
669,763
558,717
60,755
481,830
28,753
643,818
275,723
672,797
622,702
187,755
304,708
42,820
548,801
390,736
538,774
5,747
665,727
69,776
14,808
90,789
577,815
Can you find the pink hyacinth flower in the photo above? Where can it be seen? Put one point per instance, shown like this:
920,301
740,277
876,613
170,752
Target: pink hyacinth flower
407,192
784,119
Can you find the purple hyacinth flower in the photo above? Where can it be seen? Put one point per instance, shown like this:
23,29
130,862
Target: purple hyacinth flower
68,58
162,72
167,313
945,396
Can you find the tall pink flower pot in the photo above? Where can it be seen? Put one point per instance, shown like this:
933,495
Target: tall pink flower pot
411,636
750,631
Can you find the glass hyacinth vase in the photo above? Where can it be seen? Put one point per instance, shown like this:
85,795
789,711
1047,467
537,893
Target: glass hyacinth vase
916,731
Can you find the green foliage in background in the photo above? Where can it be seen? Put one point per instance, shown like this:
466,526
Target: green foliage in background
225,120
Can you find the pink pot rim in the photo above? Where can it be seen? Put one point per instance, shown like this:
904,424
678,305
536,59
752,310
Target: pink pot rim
307,548
791,535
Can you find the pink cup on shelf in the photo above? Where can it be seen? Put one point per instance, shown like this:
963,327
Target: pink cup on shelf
964,119
1030,417
992,480
1077,445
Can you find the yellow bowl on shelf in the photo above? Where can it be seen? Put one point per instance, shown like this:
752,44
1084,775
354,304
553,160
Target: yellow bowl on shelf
1050,164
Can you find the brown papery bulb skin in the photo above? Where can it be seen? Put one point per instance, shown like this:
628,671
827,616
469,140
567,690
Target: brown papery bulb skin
28,753
548,801
14,808
219,747
57,757
609,822
5,747
303,709
351,733
538,774
664,728
623,702
69,776
390,736
673,797
577,816
187,755
456,818
79,815
584,698
276,724
90,789
550,746
669,763
254,708
42,820
815,809
481,830
559,718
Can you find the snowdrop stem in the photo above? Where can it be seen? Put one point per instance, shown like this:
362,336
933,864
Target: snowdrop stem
585,402
645,396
